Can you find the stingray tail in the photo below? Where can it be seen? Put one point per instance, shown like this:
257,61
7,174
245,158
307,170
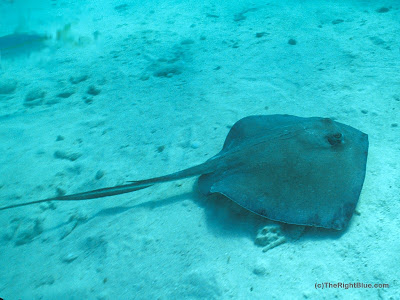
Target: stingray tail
100,193
122,189
207,167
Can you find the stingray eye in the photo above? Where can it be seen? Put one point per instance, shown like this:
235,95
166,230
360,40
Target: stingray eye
335,138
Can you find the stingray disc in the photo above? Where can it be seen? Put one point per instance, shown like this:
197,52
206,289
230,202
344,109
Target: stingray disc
305,171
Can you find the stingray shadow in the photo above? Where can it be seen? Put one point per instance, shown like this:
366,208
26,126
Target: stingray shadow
113,211
224,217
118,210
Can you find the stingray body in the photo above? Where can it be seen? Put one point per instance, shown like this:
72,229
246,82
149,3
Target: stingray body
19,43
305,171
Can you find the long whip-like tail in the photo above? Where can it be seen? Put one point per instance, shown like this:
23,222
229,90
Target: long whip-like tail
122,189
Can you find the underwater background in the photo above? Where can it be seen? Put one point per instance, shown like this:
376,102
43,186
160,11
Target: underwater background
97,93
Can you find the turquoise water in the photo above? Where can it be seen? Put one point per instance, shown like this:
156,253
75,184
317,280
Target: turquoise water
96,94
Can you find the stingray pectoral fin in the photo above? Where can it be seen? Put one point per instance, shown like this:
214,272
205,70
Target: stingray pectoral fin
99,193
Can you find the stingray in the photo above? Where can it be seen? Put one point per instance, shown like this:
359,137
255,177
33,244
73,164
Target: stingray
304,171
18,43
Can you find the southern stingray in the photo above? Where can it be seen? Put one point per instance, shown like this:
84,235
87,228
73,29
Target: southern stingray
305,171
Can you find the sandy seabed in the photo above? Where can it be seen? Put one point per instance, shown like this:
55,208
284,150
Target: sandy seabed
133,90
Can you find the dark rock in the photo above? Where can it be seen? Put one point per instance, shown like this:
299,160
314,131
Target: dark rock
92,90
65,94
337,21
78,79
382,10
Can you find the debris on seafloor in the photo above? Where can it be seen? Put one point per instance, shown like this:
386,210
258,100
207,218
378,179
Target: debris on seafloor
70,37
270,237
21,43
273,235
